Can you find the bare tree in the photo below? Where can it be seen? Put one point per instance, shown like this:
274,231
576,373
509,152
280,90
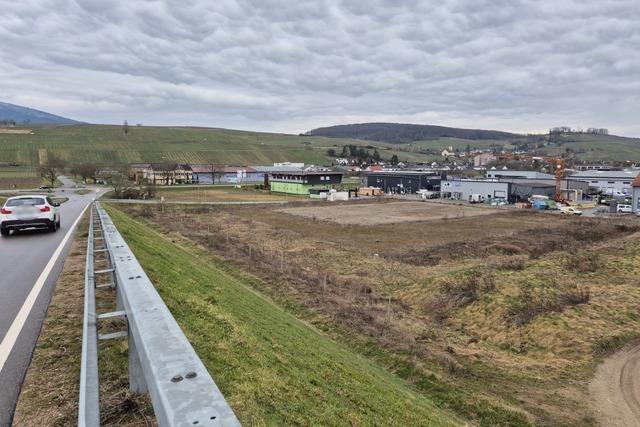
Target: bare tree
214,172
86,170
52,169
149,189
122,185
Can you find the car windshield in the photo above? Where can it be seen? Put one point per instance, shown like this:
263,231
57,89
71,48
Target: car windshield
25,201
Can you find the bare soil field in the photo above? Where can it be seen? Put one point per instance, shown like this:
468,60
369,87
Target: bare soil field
387,213
513,309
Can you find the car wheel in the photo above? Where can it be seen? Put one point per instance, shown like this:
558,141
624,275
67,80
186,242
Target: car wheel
4,231
52,227
58,224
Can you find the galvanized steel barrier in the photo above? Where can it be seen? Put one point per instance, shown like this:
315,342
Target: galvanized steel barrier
161,359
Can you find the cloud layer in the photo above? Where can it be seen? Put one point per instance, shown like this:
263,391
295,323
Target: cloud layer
292,66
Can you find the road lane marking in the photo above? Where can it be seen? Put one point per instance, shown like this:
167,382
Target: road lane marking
11,337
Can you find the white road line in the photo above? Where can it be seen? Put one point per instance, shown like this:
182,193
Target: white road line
11,337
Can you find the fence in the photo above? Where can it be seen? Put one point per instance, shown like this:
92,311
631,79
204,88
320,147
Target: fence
161,359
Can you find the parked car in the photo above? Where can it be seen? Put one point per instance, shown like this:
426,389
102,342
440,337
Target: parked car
570,210
624,209
476,198
32,211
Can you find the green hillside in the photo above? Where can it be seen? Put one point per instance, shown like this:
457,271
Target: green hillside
109,145
599,147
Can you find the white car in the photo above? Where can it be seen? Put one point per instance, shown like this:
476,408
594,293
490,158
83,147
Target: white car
32,211
570,210
624,209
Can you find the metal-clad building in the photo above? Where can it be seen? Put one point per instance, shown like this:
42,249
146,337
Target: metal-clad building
402,182
463,189
609,182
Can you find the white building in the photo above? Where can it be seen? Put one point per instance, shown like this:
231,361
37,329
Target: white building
613,182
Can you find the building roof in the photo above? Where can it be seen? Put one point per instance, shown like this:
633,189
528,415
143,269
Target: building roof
311,173
599,174
636,181
517,173
235,169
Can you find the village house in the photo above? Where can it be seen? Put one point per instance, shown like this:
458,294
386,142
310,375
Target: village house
168,174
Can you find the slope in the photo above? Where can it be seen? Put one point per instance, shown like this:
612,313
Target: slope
20,115
272,368
109,145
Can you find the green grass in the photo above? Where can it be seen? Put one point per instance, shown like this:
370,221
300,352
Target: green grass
108,145
600,147
273,368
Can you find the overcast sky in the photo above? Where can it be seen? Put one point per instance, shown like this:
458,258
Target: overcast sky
281,65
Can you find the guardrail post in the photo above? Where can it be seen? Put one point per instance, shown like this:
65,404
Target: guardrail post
137,384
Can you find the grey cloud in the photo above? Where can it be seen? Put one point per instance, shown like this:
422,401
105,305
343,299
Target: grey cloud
291,66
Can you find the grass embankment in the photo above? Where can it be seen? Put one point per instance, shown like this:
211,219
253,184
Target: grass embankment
273,368
50,391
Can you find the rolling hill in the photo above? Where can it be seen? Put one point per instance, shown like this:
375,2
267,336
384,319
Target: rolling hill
399,133
108,145
24,115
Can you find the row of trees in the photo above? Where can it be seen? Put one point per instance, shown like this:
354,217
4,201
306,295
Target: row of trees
360,154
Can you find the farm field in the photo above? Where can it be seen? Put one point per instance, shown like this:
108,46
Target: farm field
501,318
18,177
387,213
108,145
273,368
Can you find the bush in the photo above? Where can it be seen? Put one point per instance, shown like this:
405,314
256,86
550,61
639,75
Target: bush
584,262
530,304
459,290
607,345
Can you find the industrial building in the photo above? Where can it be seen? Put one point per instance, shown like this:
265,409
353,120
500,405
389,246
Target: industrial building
300,182
608,182
402,182
511,191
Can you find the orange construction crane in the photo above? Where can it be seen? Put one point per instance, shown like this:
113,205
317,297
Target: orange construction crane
559,165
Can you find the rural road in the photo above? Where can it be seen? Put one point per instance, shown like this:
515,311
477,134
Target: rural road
616,389
30,263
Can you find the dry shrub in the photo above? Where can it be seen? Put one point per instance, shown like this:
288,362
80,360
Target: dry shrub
530,303
514,262
507,248
584,262
146,211
417,256
459,290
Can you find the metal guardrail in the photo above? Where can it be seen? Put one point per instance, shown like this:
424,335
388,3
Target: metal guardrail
161,359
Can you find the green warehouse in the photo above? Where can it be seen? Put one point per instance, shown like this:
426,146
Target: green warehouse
301,182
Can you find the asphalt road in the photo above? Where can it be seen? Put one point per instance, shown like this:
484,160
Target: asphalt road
30,263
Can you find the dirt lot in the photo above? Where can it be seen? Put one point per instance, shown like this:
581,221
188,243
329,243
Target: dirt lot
387,213
515,307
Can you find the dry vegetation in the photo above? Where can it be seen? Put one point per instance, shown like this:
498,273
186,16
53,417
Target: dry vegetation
516,307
